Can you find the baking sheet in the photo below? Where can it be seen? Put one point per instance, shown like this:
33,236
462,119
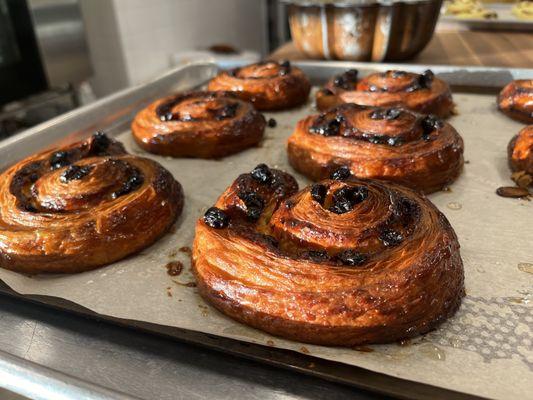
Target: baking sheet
506,19
486,349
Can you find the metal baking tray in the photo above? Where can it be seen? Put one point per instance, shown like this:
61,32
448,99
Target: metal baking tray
114,113
506,20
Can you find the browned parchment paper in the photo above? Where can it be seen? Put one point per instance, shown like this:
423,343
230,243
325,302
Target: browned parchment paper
486,349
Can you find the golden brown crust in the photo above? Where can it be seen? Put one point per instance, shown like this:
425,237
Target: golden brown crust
422,93
394,144
339,263
520,151
81,206
198,124
269,85
516,100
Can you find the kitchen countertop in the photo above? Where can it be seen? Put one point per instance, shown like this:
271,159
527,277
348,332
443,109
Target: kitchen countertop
460,47
146,366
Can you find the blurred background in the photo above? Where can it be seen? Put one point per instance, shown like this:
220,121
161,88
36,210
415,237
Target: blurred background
56,55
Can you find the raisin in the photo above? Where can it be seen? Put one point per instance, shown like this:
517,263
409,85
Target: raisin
391,238
386,113
429,124
272,123
74,172
315,255
318,193
254,204
327,128
426,79
346,80
262,173
99,143
351,258
59,159
341,174
346,198
132,183
285,68
216,218
228,111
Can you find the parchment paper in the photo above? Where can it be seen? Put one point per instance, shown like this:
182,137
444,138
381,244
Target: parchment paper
486,349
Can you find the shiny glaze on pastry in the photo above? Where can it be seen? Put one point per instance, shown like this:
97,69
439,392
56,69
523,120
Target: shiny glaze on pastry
422,152
342,262
520,151
269,85
423,93
516,100
81,206
198,124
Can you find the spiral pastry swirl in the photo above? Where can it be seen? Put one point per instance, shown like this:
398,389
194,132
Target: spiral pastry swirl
342,262
520,151
198,124
516,100
394,144
269,85
82,206
423,93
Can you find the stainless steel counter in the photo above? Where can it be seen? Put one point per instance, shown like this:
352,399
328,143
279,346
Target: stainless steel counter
136,364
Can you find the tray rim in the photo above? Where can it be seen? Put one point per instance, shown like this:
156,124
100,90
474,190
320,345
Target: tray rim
61,128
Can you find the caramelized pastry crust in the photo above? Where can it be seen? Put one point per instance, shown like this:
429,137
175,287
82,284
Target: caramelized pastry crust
81,206
342,262
269,85
422,93
394,144
520,151
516,100
198,124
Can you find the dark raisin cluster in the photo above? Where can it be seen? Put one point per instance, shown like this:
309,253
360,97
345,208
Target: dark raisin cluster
318,193
133,182
388,114
423,81
99,144
75,172
346,80
285,68
344,199
59,159
341,173
216,218
315,255
391,238
262,174
327,127
383,139
429,124
228,111
351,257
254,204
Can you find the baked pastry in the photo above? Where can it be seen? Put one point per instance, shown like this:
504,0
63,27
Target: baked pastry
520,151
198,124
269,85
342,262
516,100
81,206
468,9
523,10
423,93
394,144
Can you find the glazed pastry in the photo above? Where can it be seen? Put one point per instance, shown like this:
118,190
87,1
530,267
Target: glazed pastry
81,206
423,93
520,151
516,100
468,9
342,262
394,144
269,85
198,124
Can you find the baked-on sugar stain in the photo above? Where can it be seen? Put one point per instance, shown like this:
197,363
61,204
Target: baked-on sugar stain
174,268
512,192
186,250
